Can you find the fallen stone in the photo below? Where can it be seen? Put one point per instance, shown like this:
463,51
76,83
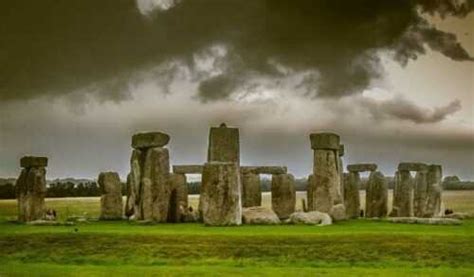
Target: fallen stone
41,222
405,166
324,141
376,203
338,212
264,169
220,202
259,215
111,206
251,191
30,161
422,220
149,140
224,145
187,169
459,215
310,218
361,167
283,195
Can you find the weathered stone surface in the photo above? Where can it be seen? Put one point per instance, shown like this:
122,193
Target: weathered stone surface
434,201
149,140
133,207
224,144
178,198
361,167
341,169
259,215
338,212
430,221
264,169
324,141
376,196
311,218
283,195
341,150
30,193
30,161
251,191
187,169
324,188
310,193
111,206
403,195
420,200
406,166
351,194
220,202
459,216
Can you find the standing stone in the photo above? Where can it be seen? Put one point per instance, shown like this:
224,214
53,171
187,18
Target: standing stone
251,191
420,193
326,183
111,206
376,196
351,194
31,188
341,169
434,202
224,144
178,202
148,181
220,201
403,198
310,192
283,195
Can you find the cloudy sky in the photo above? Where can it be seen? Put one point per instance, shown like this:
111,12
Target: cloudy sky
394,78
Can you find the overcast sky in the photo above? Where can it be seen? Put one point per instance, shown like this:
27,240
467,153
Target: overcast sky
395,79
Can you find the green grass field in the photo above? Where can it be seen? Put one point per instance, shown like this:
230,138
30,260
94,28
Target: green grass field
356,247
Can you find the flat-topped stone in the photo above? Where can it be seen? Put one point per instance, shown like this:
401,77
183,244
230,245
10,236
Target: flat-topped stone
409,166
264,169
341,150
324,141
149,140
223,144
187,169
31,161
361,167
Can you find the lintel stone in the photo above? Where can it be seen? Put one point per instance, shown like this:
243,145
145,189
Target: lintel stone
328,141
264,169
412,167
361,167
188,169
149,140
31,161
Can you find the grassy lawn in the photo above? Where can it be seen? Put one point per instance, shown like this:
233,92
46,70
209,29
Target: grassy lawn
356,247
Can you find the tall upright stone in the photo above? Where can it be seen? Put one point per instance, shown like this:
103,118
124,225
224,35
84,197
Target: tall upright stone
148,182
283,195
220,201
420,196
404,195
325,187
111,203
434,202
341,169
352,185
178,197
376,195
224,144
31,188
251,191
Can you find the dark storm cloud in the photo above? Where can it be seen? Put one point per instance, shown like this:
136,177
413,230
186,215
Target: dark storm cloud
400,108
53,47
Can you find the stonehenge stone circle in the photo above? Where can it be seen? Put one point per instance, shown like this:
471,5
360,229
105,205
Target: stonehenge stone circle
31,188
220,201
324,187
251,191
111,205
224,144
376,200
149,140
259,215
361,167
283,195
352,185
148,182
